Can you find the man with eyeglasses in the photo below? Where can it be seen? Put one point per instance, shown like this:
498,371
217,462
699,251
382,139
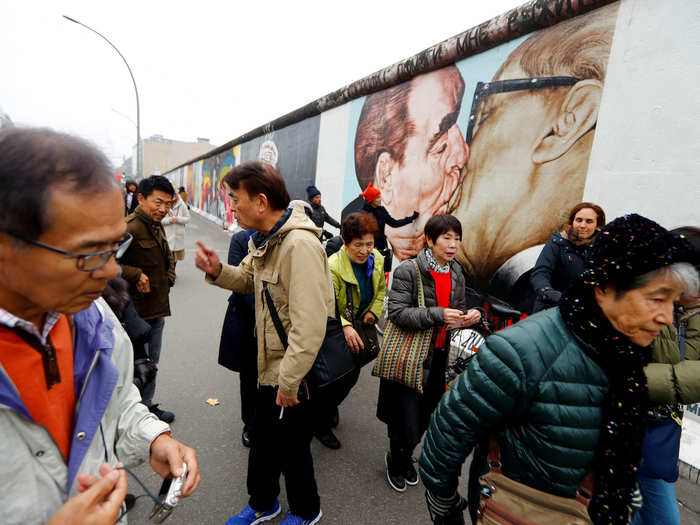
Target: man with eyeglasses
530,135
149,267
69,411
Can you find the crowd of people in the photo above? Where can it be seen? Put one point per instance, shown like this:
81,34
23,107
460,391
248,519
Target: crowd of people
573,411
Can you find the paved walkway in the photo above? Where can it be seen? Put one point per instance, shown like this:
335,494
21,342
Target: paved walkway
351,480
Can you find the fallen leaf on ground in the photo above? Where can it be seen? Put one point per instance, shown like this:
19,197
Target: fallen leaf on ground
212,401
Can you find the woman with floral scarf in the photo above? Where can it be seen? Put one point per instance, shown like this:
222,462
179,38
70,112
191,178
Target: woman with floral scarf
405,411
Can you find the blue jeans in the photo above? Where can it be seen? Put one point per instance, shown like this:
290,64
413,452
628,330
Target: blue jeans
659,504
154,345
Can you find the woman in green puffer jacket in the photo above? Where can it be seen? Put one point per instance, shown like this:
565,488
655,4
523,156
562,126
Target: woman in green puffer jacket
357,269
547,387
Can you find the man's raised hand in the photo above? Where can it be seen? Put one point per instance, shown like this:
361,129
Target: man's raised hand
207,260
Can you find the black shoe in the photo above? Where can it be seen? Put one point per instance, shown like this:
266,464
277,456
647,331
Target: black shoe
328,439
246,437
163,415
410,474
129,502
396,480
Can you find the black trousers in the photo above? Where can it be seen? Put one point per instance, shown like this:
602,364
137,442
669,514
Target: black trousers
326,400
248,383
282,446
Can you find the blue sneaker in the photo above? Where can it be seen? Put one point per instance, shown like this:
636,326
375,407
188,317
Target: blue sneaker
293,519
248,516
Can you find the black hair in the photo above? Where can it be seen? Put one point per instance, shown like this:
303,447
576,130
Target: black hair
259,177
153,183
34,161
439,224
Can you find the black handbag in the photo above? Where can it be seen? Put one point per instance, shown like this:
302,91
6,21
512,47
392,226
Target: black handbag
367,332
334,359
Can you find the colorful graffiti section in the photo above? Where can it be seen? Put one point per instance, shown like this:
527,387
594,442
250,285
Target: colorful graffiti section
202,181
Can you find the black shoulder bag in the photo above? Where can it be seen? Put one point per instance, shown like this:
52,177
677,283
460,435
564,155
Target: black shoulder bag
367,332
334,359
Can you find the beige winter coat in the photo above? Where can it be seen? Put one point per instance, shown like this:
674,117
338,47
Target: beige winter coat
293,264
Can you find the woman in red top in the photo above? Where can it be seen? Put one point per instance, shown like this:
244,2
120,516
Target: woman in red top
405,411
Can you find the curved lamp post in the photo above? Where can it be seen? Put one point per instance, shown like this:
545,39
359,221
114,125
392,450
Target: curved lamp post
139,151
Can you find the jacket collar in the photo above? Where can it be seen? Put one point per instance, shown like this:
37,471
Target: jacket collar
293,219
92,334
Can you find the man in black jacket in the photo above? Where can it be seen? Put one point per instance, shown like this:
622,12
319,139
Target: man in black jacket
238,347
319,215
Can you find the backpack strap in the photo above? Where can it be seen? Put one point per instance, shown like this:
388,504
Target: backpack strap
275,317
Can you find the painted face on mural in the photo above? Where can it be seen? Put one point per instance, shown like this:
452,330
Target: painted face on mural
434,156
528,160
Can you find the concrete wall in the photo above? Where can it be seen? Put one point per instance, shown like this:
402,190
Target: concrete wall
619,129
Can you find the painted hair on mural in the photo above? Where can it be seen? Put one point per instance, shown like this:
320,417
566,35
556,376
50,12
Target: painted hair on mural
579,47
385,125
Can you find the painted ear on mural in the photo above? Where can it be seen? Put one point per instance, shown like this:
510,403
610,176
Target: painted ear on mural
383,172
577,116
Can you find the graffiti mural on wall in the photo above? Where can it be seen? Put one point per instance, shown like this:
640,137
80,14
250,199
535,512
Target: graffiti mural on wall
495,126
501,140
292,150
202,180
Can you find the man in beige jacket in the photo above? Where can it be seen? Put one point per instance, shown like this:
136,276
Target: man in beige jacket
287,258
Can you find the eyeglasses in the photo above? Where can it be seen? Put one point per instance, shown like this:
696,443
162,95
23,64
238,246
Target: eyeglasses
87,262
484,89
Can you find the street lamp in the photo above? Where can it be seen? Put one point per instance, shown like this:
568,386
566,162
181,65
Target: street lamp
139,150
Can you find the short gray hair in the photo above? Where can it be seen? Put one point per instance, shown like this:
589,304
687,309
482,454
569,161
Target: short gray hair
682,273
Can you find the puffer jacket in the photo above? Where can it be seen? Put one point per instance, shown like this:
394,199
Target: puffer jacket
557,266
670,379
343,275
35,478
294,267
148,253
403,297
535,388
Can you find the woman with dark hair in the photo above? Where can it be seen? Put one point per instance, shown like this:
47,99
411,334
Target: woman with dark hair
357,270
563,393
405,411
562,258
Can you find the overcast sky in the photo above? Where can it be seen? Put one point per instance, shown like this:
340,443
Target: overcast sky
214,69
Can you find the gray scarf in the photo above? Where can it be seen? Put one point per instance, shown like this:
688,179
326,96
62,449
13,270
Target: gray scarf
434,265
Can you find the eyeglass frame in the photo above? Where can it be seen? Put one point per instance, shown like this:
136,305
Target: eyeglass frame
508,86
81,257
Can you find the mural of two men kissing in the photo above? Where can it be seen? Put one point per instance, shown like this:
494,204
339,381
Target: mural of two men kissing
507,156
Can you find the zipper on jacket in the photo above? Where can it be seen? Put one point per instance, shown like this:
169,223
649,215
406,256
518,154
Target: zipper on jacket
87,378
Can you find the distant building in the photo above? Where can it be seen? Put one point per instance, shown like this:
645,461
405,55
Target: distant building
160,154
5,119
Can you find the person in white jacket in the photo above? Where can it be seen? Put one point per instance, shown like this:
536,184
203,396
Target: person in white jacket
69,411
174,225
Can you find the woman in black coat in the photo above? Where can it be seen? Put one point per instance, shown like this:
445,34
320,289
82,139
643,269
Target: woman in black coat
563,257
238,349
405,411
